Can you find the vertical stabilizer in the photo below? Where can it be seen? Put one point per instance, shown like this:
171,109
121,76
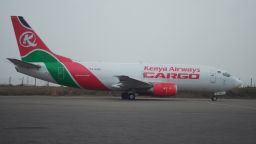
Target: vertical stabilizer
27,40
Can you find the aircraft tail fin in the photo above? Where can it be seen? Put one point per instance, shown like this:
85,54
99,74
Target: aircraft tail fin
31,47
28,41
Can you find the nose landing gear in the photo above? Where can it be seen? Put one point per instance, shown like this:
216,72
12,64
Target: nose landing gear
216,94
214,98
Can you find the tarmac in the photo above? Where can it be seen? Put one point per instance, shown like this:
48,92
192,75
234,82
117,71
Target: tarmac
110,120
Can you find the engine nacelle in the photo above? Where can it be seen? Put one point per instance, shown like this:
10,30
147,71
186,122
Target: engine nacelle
164,89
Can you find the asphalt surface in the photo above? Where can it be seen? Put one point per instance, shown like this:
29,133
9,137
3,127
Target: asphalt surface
109,120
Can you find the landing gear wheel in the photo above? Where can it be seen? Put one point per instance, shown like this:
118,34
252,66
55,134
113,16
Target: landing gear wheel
128,96
132,96
214,98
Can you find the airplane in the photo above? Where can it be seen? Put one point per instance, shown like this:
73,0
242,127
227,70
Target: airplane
131,79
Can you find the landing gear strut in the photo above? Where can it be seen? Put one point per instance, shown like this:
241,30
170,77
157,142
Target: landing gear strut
216,94
214,98
128,96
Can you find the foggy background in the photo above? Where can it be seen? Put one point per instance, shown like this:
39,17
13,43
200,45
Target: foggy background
219,33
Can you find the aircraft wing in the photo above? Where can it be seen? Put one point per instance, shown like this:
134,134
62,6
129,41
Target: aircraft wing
126,83
23,64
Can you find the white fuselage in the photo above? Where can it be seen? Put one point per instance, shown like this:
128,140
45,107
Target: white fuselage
186,77
210,79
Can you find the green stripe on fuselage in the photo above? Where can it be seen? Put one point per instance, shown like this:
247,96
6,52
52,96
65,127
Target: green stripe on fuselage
55,68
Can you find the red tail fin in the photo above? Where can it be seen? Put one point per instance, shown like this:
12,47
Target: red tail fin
62,69
26,37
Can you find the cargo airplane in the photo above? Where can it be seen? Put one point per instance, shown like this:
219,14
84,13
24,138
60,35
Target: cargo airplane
132,79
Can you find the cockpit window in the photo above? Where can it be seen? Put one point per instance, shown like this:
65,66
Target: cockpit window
226,74
219,71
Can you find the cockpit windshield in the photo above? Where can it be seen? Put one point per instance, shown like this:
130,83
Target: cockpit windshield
226,74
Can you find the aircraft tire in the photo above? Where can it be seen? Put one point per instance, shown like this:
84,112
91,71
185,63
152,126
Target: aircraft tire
214,98
131,96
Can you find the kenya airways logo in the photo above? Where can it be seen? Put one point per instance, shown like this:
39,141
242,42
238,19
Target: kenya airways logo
28,39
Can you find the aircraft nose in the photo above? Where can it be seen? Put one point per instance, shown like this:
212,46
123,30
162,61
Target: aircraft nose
239,83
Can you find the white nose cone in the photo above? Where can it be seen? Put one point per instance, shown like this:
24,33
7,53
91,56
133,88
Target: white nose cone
239,83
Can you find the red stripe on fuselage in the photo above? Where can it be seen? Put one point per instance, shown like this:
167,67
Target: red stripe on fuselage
84,77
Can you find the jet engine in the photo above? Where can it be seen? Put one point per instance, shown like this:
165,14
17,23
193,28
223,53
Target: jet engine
164,89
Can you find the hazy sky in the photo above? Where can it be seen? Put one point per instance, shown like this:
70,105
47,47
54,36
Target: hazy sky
219,33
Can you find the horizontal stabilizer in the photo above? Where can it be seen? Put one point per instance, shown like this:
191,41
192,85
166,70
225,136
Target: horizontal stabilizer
20,63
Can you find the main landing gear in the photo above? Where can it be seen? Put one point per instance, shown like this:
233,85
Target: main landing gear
128,96
214,98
